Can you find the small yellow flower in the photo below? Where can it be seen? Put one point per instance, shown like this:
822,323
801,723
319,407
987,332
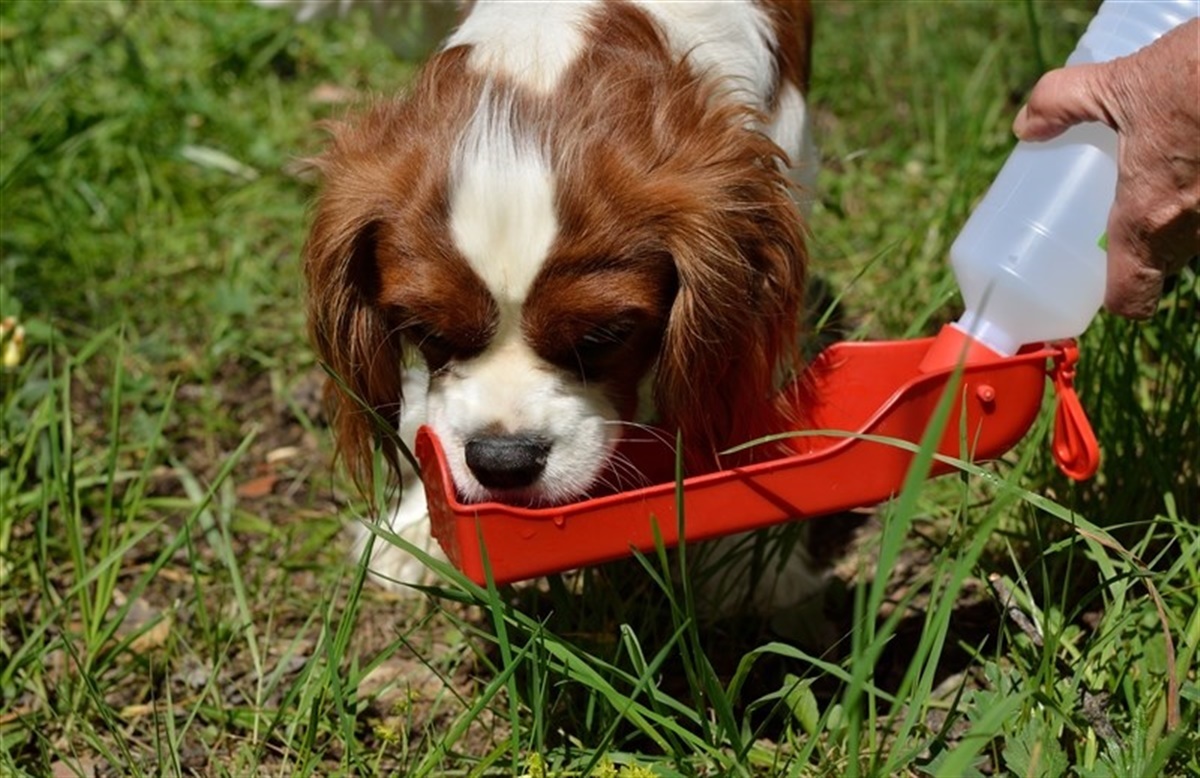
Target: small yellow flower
536,766
605,769
387,734
12,336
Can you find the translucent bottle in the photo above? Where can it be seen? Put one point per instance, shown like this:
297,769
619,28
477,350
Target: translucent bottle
1030,261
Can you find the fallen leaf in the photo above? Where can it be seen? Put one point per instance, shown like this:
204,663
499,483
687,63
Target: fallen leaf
194,674
257,487
84,768
155,637
282,453
215,159
331,94
150,626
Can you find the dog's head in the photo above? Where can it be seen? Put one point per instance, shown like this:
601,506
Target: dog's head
559,260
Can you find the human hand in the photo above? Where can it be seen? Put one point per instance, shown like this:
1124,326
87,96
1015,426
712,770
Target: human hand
1152,99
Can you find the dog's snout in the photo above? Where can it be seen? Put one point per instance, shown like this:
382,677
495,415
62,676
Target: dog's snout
507,461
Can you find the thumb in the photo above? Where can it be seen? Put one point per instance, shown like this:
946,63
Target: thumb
1063,98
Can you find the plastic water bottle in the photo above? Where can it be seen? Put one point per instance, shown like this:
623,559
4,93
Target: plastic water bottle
1030,261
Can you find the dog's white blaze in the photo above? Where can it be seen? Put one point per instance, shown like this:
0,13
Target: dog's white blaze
502,216
532,43
503,222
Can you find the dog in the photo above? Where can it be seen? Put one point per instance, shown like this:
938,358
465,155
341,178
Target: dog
581,219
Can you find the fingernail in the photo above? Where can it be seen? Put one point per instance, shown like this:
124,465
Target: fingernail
1018,124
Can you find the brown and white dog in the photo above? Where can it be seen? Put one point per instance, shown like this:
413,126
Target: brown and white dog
580,217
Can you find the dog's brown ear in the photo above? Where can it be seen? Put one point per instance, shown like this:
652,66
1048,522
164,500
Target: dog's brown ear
732,331
382,172
350,332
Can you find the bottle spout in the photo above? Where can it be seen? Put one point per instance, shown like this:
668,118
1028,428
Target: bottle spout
1074,444
954,346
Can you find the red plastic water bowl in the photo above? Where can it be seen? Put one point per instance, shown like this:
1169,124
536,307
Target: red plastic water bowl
882,389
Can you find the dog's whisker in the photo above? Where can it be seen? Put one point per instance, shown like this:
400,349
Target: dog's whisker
625,474
655,434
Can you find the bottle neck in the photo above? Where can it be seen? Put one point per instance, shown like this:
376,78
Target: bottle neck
988,333
954,346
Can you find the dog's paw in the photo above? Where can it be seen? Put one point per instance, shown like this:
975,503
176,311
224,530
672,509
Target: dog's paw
392,566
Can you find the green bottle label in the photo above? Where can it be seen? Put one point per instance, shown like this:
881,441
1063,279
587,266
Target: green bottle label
1103,241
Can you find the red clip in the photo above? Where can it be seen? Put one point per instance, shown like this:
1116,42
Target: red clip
1074,445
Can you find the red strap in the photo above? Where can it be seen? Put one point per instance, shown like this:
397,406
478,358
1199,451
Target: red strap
1074,445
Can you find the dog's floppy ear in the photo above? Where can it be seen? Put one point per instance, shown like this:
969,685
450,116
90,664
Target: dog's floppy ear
732,330
382,174
359,347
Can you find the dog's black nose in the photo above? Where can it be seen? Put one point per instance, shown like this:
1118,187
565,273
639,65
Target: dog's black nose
507,461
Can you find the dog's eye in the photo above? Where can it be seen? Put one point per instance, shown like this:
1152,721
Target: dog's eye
433,340
437,347
604,339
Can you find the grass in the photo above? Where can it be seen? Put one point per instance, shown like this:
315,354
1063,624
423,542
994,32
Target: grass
175,595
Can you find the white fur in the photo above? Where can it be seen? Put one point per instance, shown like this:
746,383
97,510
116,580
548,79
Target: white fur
731,40
727,39
307,10
503,221
786,588
532,43
510,389
502,215
391,565
791,129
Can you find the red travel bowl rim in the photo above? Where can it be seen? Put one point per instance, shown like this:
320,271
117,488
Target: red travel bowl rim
609,501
